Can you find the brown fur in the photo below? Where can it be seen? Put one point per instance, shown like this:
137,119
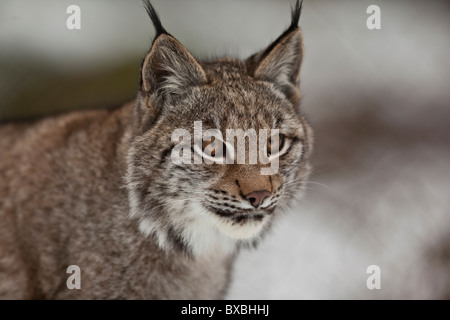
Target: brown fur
97,189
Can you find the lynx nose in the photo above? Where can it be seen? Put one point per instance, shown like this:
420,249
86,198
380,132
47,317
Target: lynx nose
256,198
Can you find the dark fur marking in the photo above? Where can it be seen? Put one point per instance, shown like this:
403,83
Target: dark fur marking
222,213
295,17
230,206
177,242
164,155
245,218
240,191
155,19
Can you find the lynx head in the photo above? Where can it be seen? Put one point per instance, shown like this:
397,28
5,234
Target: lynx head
195,206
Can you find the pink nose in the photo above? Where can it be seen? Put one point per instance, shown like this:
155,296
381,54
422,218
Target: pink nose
256,198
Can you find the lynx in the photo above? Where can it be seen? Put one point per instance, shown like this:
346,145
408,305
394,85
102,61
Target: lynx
98,189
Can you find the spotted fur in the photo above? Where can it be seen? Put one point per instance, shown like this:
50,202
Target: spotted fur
99,189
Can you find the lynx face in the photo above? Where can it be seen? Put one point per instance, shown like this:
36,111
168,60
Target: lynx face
195,207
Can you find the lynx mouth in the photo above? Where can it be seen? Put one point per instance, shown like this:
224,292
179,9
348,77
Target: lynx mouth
242,214
238,224
240,217
242,224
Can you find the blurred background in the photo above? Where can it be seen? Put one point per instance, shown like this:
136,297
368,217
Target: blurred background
378,101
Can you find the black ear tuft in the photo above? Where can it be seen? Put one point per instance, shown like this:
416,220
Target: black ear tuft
295,14
155,19
280,62
295,18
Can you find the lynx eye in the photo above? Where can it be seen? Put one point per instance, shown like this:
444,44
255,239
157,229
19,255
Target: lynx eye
214,150
276,145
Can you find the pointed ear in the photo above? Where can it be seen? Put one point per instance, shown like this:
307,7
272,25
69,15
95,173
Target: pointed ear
169,69
280,62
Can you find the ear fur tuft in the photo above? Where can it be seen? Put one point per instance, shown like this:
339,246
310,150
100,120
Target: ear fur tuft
168,68
280,62
295,14
155,19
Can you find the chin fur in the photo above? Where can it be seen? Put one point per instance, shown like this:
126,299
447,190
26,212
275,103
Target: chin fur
194,231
